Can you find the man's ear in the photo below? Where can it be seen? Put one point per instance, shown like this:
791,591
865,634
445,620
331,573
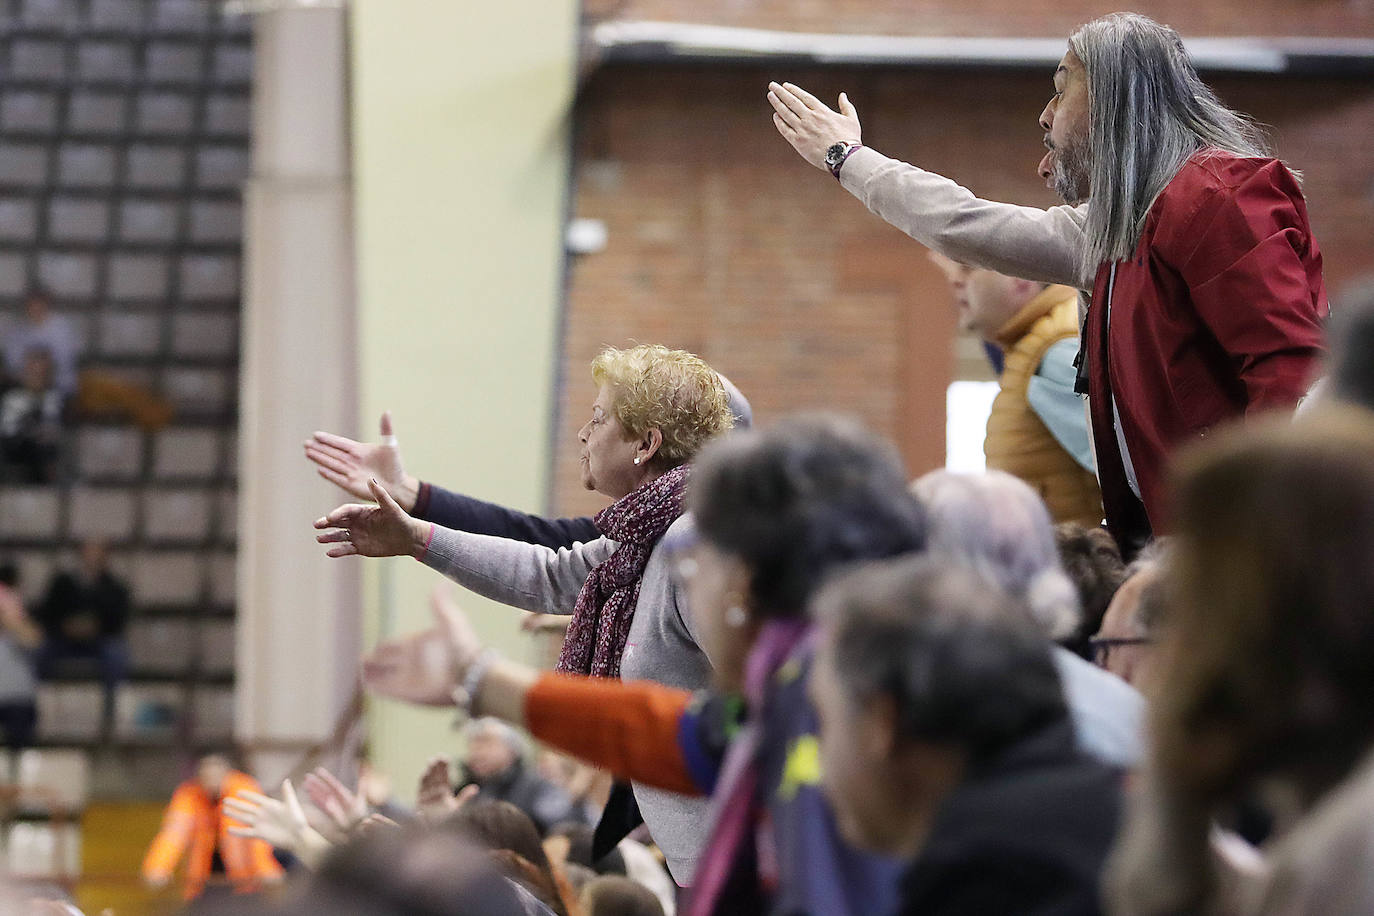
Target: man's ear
649,444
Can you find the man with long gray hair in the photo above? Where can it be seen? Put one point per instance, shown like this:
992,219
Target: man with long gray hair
1193,242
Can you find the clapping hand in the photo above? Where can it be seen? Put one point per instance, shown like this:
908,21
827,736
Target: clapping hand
383,530
349,464
809,124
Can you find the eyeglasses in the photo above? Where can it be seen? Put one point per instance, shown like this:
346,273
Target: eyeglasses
1102,645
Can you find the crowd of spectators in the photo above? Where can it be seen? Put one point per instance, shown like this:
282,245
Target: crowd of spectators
821,688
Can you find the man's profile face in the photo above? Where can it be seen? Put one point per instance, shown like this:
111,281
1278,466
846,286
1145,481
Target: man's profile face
1065,121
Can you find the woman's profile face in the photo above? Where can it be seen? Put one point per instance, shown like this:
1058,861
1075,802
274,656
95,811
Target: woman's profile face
607,459
717,585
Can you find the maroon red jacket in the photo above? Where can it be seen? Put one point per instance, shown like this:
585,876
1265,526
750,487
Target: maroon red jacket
1217,315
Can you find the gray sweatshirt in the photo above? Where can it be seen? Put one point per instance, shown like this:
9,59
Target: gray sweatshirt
660,647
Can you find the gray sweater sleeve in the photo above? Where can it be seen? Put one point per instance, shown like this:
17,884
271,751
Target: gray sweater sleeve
1043,245
528,576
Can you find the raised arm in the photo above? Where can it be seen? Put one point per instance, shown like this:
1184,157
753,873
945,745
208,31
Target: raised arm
641,731
349,464
522,575
1043,245
467,513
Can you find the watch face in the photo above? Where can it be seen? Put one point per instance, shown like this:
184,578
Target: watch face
834,154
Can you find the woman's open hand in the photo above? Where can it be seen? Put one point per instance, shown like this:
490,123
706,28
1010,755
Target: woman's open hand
383,530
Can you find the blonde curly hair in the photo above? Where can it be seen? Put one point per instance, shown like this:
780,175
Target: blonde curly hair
673,391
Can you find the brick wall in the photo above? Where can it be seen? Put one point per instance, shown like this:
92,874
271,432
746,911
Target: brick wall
723,241
1033,18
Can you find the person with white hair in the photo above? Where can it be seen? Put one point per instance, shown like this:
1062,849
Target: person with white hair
996,524
1207,297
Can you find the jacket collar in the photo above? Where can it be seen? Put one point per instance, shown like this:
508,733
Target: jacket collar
1038,307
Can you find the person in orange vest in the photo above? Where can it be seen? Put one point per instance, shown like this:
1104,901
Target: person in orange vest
195,826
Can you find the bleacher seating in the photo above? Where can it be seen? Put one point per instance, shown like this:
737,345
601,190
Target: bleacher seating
124,143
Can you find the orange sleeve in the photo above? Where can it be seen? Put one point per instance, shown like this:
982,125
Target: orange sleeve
178,824
629,729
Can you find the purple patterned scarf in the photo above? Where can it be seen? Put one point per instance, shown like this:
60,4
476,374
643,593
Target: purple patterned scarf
606,605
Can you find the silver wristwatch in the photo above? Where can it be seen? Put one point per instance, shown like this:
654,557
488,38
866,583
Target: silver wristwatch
838,153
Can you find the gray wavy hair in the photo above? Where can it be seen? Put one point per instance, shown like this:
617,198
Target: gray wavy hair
1148,113
999,526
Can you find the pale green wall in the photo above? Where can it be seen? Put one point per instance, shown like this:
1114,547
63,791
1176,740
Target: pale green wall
461,140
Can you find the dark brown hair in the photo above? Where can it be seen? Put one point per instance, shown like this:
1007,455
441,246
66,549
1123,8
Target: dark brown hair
1093,564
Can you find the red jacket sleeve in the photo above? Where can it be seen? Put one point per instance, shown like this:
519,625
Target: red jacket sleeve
629,729
1254,272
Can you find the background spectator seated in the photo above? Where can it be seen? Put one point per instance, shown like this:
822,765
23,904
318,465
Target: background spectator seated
19,639
31,420
495,763
41,329
84,615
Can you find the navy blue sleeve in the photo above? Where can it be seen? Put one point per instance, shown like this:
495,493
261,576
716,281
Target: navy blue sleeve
464,513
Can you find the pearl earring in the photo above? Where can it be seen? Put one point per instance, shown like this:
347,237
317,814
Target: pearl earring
735,616
636,461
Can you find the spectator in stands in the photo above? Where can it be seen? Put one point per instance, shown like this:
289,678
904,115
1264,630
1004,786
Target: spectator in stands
412,871
777,512
1092,561
31,421
19,641
196,828
655,408
85,614
1266,672
945,741
1125,643
612,895
997,524
351,464
1175,212
43,330
1037,430
496,763
503,828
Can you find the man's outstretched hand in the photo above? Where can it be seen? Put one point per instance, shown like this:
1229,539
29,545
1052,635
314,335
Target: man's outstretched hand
809,124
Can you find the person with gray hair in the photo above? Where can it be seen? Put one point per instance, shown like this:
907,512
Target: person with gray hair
945,742
1207,297
997,525
496,763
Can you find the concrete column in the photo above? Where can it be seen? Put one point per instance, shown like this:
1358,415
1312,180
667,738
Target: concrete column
298,612
461,120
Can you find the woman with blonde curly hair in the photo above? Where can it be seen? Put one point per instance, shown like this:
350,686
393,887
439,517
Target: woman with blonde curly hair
655,408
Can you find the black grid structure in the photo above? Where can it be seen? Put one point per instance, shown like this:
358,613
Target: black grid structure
124,144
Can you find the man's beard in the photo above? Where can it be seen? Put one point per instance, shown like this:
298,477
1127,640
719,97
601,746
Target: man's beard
1070,172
